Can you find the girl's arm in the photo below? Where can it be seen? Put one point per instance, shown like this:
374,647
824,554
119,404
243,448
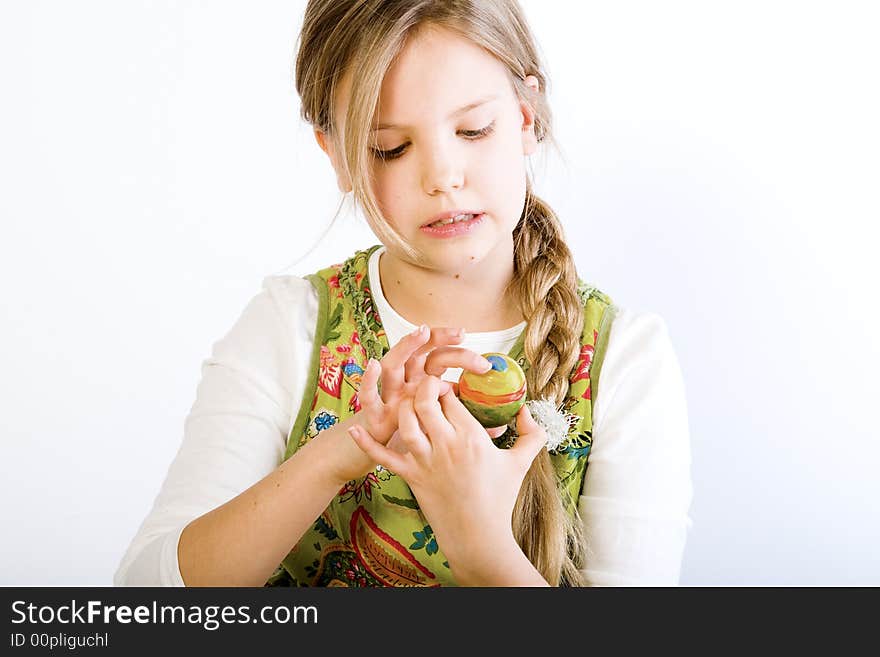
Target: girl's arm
638,489
235,433
241,543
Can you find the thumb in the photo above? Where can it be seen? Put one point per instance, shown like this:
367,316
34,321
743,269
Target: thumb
532,436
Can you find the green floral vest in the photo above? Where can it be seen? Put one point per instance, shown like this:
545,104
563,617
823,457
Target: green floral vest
373,532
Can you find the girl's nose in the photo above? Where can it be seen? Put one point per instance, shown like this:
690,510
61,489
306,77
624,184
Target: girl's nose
442,173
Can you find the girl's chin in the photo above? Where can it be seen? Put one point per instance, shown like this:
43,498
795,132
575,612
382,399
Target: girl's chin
457,260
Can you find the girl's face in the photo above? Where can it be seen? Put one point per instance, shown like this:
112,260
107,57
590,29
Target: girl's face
449,136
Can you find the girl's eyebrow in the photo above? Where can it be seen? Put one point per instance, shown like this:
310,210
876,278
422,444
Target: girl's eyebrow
460,110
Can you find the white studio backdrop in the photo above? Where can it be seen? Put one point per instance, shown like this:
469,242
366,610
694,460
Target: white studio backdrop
720,168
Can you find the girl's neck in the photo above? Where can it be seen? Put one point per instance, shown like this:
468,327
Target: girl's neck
473,299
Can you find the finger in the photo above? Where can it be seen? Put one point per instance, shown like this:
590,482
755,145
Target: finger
368,393
430,414
393,362
388,458
410,431
440,336
445,357
456,414
532,436
495,432
396,444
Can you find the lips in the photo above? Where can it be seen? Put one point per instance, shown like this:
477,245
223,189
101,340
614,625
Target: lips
451,216
453,228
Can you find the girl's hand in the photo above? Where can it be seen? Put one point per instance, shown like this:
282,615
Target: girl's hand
465,485
400,371
403,368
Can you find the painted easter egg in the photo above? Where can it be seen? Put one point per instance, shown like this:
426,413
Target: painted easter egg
494,398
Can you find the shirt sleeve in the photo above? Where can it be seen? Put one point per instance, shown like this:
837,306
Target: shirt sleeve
236,431
637,490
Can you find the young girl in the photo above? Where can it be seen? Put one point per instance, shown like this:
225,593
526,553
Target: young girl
327,445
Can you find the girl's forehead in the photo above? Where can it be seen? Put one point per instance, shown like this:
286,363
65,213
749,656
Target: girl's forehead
436,73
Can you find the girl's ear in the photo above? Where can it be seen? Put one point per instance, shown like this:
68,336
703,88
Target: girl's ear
326,144
529,139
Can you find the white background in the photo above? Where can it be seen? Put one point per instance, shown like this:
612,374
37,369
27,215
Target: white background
721,168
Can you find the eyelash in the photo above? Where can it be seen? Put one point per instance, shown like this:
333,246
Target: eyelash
471,135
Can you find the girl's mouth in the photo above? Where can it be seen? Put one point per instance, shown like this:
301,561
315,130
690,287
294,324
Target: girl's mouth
453,226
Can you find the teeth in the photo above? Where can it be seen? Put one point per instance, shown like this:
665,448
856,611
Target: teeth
457,218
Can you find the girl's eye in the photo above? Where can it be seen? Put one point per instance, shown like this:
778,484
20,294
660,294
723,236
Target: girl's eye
470,135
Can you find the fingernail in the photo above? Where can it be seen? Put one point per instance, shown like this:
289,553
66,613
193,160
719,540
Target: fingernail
420,330
459,332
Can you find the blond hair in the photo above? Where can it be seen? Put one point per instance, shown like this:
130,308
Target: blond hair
360,39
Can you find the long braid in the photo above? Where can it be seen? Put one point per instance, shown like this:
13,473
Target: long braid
545,282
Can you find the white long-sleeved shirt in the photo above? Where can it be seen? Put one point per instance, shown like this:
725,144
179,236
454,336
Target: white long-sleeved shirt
637,491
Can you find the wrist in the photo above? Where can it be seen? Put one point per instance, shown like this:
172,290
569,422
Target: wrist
344,459
503,564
